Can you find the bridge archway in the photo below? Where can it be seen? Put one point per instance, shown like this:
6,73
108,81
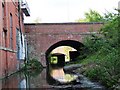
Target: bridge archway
42,37
72,43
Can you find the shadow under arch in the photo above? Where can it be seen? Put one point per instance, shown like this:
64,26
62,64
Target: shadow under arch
72,43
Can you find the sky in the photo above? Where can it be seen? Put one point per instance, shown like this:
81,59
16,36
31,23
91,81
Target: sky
59,11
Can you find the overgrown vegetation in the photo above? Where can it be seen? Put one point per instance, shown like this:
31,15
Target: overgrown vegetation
33,67
103,60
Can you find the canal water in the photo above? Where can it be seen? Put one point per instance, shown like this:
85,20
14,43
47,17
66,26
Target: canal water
41,80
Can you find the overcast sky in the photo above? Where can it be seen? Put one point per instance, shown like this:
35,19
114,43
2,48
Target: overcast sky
55,11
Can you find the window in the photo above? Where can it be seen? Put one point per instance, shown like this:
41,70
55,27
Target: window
11,31
18,42
3,15
4,35
4,32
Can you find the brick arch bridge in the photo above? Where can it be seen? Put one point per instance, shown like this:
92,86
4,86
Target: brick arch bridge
42,36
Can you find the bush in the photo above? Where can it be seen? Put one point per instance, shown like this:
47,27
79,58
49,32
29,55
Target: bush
33,64
32,68
104,54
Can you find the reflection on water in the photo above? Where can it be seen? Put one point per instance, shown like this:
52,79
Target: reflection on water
55,69
23,84
28,80
61,76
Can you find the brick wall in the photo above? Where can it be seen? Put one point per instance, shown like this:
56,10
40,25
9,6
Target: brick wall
8,59
0,38
41,36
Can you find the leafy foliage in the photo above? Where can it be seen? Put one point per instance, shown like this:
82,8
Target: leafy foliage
33,67
91,16
103,56
33,64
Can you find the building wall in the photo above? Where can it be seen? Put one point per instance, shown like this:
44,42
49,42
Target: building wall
0,39
8,55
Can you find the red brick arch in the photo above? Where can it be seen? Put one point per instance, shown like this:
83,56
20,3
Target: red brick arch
42,36
72,43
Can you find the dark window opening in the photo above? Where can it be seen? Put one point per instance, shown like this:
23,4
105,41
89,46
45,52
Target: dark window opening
11,31
3,15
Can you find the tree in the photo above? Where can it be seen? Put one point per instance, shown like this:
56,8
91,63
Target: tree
104,53
92,16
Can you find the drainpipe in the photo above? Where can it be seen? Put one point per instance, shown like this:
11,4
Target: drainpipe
19,18
26,53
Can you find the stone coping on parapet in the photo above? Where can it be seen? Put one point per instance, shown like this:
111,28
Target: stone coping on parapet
64,23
